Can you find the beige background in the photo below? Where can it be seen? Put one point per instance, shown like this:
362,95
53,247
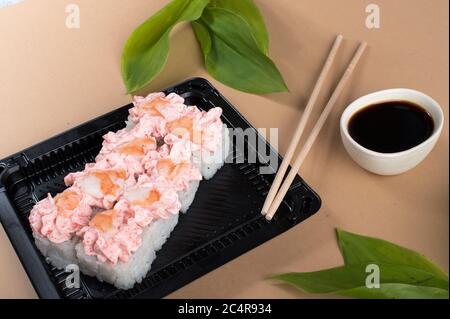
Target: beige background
53,78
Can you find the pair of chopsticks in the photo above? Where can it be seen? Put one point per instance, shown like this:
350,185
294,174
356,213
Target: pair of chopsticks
277,193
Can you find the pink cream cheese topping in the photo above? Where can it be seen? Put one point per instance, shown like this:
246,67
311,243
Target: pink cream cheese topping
157,105
168,115
127,149
203,129
111,236
150,200
59,218
150,126
128,143
173,163
101,183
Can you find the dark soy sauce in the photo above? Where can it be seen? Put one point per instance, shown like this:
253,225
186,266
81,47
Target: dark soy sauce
391,127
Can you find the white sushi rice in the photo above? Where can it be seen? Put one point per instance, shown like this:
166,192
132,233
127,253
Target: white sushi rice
129,123
186,197
125,275
59,255
210,163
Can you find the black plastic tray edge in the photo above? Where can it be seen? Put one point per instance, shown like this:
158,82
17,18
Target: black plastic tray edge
27,253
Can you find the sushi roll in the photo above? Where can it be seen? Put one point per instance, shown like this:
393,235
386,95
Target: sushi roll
103,185
120,245
174,164
126,149
156,106
112,236
150,200
205,130
55,222
207,134
131,268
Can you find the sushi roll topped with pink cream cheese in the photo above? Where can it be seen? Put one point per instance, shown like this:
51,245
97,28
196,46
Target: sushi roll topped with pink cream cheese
127,149
101,183
174,164
150,200
111,236
59,218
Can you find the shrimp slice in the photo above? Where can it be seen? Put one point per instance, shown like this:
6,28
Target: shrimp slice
144,197
185,128
111,236
104,185
103,221
171,170
178,175
153,106
59,218
125,150
145,204
67,202
137,147
151,198
157,105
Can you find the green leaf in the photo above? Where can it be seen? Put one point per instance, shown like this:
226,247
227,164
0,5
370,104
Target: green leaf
247,10
323,281
357,249
396,291
403,273
203,37
347,277
146,50
232,55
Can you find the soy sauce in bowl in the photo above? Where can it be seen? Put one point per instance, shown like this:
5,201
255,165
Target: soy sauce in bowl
391,127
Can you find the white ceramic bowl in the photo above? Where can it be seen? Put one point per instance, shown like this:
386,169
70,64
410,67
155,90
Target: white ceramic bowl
391,163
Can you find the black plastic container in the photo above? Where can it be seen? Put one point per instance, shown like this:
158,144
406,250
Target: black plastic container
223,222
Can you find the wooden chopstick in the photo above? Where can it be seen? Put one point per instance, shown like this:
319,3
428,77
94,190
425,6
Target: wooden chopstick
315,132
301,125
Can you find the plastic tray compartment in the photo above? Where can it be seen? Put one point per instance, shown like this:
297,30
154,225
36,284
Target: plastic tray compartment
223,222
